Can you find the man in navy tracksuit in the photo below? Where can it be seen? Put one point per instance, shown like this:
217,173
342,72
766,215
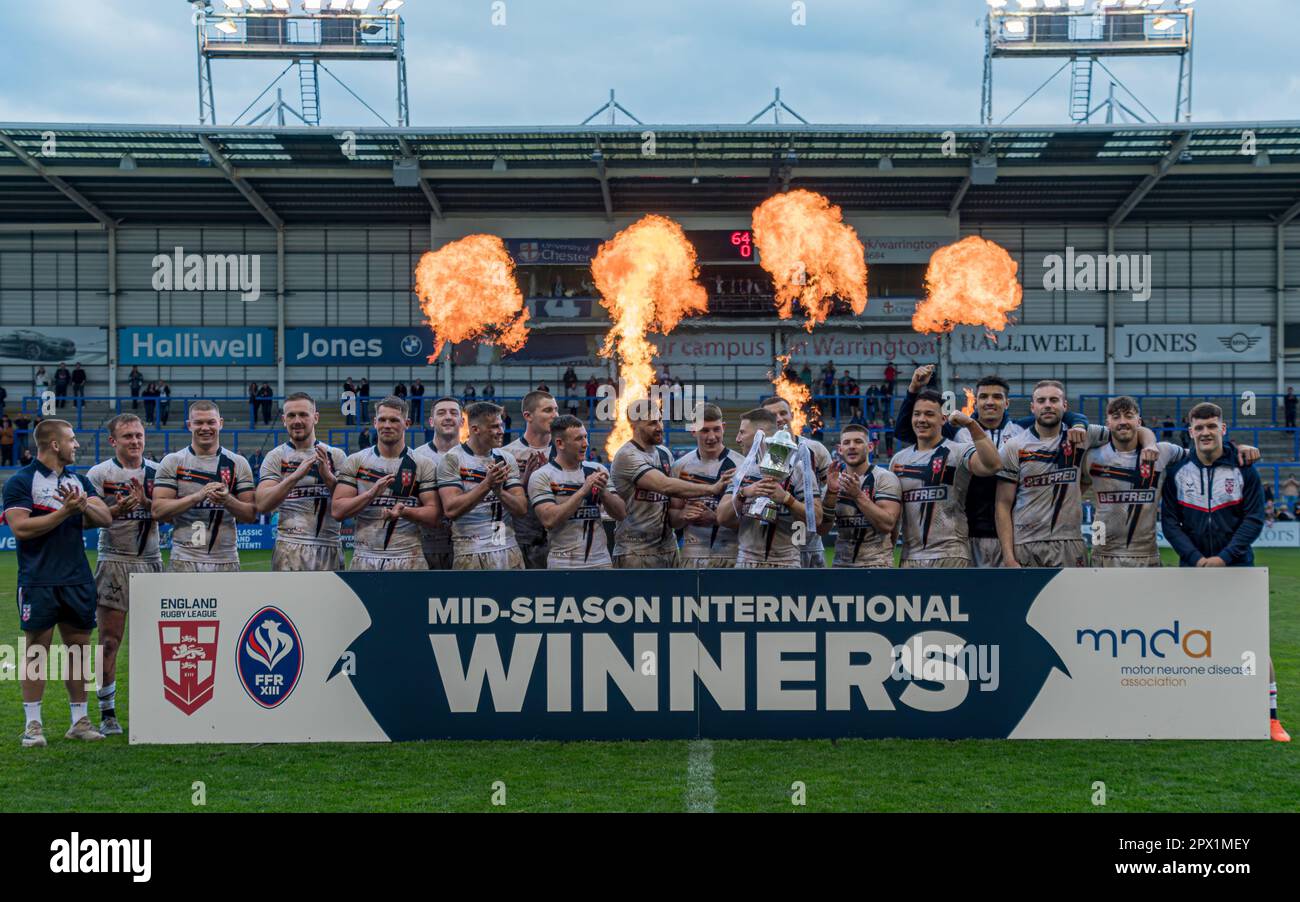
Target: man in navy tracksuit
1213,509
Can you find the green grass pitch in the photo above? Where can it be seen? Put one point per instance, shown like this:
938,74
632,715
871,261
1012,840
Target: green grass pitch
856,775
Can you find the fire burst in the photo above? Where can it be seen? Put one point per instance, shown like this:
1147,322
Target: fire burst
646,278
972,282
797,395
467,290
811,255
969,409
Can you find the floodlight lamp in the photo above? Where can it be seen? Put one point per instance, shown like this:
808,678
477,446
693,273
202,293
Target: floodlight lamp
227,27
1014,26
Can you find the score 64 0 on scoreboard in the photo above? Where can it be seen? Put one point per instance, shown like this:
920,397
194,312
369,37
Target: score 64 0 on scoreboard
723,245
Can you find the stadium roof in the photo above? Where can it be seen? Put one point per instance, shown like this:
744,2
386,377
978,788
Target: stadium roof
158,175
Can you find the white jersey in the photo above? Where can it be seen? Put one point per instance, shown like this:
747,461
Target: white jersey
304,516
857,541
1049,494
646,529
206,533
934,485
1128,498
375,534
579,542
132,536
770,543
438,539
715,540
485,527
528,529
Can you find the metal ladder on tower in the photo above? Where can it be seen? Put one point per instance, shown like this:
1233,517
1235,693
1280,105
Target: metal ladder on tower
309,86
1080,89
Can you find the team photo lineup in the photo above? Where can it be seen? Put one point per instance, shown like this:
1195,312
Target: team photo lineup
968,491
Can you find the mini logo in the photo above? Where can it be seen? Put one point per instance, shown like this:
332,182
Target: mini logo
270,657
1240,342
189,657
412,345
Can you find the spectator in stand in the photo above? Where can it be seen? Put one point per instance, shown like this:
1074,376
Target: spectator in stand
828,380
4,395
79,385
855,396
1289,406
891,376
6,442
1270,515
505,425
1291,492
136,381
542,386
40,382
1284,515
350,386
1184,435
61,379
805,376
469,395
22,429
489,392
150,402
1169,428
570,382
399,391
363,399
417,402
165,403
252,405
859,420
592,388
363,440
267,394
889,436
26,458
873,402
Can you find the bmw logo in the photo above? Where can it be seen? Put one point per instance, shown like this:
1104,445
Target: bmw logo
412,345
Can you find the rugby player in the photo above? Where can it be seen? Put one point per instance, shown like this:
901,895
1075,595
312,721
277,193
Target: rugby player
814,552
391,493
298,479
203,491
641,474
47,506
567,494
1128,489
1039,508
445,418
531,450
1212,510
935,475
992,404
867,501
479,484
763,545
129,545
706,543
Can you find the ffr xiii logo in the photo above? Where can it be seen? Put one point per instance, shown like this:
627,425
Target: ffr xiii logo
270,657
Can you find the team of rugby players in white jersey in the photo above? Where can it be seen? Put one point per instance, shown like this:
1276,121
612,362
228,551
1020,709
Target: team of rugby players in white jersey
444,504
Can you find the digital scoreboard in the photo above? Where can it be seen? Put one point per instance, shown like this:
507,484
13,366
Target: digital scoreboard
723,245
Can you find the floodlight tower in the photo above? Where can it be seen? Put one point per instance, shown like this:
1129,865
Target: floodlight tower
1083,32
306,33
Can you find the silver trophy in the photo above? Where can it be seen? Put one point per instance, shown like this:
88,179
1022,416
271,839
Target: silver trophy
777,463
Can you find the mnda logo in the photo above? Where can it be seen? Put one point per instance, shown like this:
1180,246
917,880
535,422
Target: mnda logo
269,659
1194,643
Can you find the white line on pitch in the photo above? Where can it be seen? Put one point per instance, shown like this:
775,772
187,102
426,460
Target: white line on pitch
700,793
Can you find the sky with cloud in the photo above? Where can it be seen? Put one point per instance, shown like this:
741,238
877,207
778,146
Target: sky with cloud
553,62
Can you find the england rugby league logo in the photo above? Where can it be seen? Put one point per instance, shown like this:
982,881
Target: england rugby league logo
269,659
189,659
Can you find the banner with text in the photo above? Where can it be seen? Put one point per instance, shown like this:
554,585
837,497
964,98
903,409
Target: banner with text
1159,343
196,346
372,657
862,347
358,345
1029,344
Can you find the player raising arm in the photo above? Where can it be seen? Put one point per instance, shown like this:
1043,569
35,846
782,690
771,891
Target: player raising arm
935,475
